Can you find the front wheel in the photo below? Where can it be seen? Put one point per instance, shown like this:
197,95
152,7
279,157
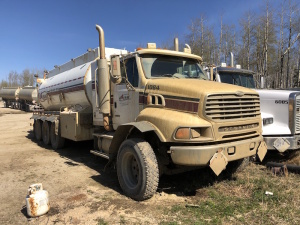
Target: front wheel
137,169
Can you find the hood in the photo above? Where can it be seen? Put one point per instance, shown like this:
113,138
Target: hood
191,87
274,94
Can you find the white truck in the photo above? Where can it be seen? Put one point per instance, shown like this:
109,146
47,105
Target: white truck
280,109
145,112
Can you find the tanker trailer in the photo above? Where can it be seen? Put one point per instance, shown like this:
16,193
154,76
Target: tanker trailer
28,98
146,116
10,97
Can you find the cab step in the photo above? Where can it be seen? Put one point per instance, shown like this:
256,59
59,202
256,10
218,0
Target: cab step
99,153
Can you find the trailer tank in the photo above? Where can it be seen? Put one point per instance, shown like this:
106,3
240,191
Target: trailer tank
28,93
66,86
10,93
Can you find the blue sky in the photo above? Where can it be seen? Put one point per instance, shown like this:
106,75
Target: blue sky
40,34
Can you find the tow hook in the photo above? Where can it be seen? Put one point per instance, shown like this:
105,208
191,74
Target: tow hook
262,151
218,162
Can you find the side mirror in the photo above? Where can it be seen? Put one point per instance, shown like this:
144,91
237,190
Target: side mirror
115,69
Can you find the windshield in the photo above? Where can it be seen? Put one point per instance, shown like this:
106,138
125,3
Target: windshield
244,80
161,66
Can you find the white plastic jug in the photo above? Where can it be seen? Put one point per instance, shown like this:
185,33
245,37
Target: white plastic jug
37,200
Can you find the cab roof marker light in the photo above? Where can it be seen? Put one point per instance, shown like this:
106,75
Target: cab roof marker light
151,45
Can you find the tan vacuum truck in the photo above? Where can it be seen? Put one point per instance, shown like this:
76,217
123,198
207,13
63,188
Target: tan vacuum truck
151,112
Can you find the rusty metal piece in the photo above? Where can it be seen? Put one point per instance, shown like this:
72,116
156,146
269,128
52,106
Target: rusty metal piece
33,207
289,167
276,170
280,170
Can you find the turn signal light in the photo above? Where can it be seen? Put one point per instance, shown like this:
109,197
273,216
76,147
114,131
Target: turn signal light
183,133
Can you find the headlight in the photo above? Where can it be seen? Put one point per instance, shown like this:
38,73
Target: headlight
193,133
267,121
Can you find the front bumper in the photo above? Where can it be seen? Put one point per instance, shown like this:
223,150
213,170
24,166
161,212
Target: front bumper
294,142
201,155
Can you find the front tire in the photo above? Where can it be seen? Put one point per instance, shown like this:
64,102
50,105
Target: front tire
137,169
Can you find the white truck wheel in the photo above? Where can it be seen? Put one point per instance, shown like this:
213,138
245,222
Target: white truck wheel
137,169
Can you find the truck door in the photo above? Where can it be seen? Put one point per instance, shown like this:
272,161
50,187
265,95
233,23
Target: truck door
126,98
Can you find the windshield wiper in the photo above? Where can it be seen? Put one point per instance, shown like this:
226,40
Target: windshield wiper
167,75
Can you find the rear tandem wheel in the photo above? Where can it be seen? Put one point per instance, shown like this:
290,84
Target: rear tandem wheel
46,132
37,128
57,141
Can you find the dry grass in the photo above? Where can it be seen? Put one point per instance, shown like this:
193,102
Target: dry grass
243,200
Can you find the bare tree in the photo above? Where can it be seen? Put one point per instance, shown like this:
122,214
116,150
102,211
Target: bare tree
3,83
13,79
220,41
247,35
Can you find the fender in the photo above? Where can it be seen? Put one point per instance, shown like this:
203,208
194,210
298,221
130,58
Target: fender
124,130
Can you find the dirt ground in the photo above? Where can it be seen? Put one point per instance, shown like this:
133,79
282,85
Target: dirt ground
80,191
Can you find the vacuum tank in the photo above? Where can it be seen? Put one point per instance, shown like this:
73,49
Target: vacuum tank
71,83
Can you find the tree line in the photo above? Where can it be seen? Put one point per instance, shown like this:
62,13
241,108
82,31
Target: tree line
15,79
267,42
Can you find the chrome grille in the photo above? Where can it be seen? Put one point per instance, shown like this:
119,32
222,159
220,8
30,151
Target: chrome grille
297,115
232,107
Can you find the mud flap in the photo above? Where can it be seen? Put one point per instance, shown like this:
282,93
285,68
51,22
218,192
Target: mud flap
281,144
262,151
218,162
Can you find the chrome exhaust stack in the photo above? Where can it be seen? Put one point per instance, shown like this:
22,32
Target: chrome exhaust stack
231,59
176,45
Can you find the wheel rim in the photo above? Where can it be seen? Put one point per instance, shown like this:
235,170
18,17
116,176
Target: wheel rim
131,171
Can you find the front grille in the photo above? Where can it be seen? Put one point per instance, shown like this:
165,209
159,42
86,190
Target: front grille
297,115
232,107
